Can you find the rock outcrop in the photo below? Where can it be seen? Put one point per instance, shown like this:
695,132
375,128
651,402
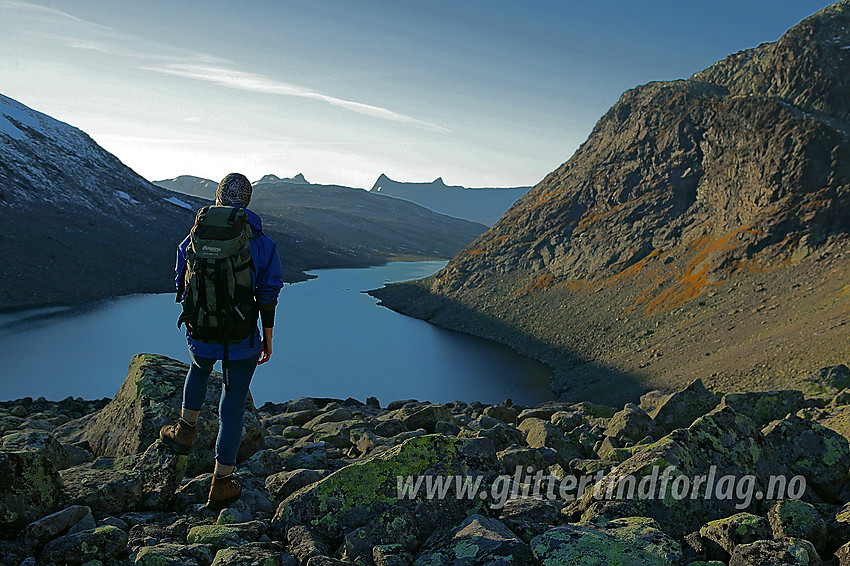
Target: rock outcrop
150,397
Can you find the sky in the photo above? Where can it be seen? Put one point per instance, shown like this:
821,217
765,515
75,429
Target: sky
479,92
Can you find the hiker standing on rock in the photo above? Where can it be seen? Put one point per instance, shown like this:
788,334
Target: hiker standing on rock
228,276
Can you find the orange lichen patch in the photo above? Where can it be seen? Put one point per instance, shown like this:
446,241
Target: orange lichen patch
844,291
576,285
690,281
541,283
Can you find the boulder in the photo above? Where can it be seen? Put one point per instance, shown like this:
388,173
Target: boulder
502,412
347,498
741,528
714,455
29,488
169,554
312,456
681,409
150,397
397,525
101,543
47,528
304,543
218,536
38,441
253,554
632,423
798,519
478,540
629,540
775,553
415,417
539,433
147,481
819,454
763,407
529,517
283,484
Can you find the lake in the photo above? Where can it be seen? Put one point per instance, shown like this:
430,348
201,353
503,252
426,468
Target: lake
331,340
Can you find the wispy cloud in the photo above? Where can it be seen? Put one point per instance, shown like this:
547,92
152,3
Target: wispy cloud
237,79
84,35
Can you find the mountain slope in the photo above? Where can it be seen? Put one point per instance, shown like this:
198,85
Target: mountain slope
478,205
324,226
700,231
78,224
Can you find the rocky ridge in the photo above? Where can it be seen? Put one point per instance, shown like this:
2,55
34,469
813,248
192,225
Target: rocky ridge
700,231
332,481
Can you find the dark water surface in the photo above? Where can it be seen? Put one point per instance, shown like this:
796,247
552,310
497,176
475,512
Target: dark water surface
331,340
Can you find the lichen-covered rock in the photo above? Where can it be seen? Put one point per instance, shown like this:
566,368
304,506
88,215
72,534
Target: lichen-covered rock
219,536
169,554
539,433
632,423
147,481
29,488
681,409
38,441
741,528
53,525
763,407
775,553
478,540
101,543
798,519
252,554
821,455
625,541
150,397
397,525
843,555
347,498
721,444
312,456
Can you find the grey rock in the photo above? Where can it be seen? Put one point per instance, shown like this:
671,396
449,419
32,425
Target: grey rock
99,544
283,484
304,543
775,553
29,488
87,523
478,540
53,525
681,409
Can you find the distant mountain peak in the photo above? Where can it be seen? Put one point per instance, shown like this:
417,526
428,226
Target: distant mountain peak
296,180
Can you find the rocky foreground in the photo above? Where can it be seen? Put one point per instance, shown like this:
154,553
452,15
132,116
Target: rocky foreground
87,482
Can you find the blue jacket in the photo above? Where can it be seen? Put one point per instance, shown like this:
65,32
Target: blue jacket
268,280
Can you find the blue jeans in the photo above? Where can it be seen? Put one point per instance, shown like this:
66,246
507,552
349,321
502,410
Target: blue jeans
231,407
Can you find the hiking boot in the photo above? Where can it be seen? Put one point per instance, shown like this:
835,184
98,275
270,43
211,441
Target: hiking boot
178,437
223,492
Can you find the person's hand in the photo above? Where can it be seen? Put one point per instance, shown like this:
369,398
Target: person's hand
267,346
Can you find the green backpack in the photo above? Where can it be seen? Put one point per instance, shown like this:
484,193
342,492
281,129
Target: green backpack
216,286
